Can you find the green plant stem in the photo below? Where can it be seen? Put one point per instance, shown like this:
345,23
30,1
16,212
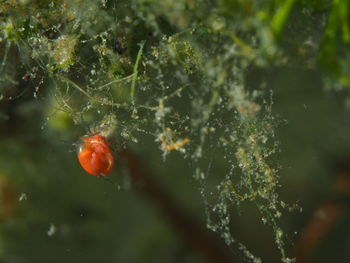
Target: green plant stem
135,74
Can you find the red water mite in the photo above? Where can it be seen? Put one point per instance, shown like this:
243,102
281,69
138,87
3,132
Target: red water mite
95,156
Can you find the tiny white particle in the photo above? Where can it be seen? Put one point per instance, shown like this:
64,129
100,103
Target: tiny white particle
52,230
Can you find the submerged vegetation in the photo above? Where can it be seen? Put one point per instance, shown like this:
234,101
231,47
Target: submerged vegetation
179,75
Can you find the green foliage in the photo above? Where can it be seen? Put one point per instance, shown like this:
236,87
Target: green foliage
336,41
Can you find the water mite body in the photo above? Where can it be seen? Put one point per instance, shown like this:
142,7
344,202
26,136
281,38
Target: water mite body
95,155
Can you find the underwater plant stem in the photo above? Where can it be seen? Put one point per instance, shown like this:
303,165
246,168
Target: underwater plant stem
207,243
324,217
105,102
117,81
135,74
7,48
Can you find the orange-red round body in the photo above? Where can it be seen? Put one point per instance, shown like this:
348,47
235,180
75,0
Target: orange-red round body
95,156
